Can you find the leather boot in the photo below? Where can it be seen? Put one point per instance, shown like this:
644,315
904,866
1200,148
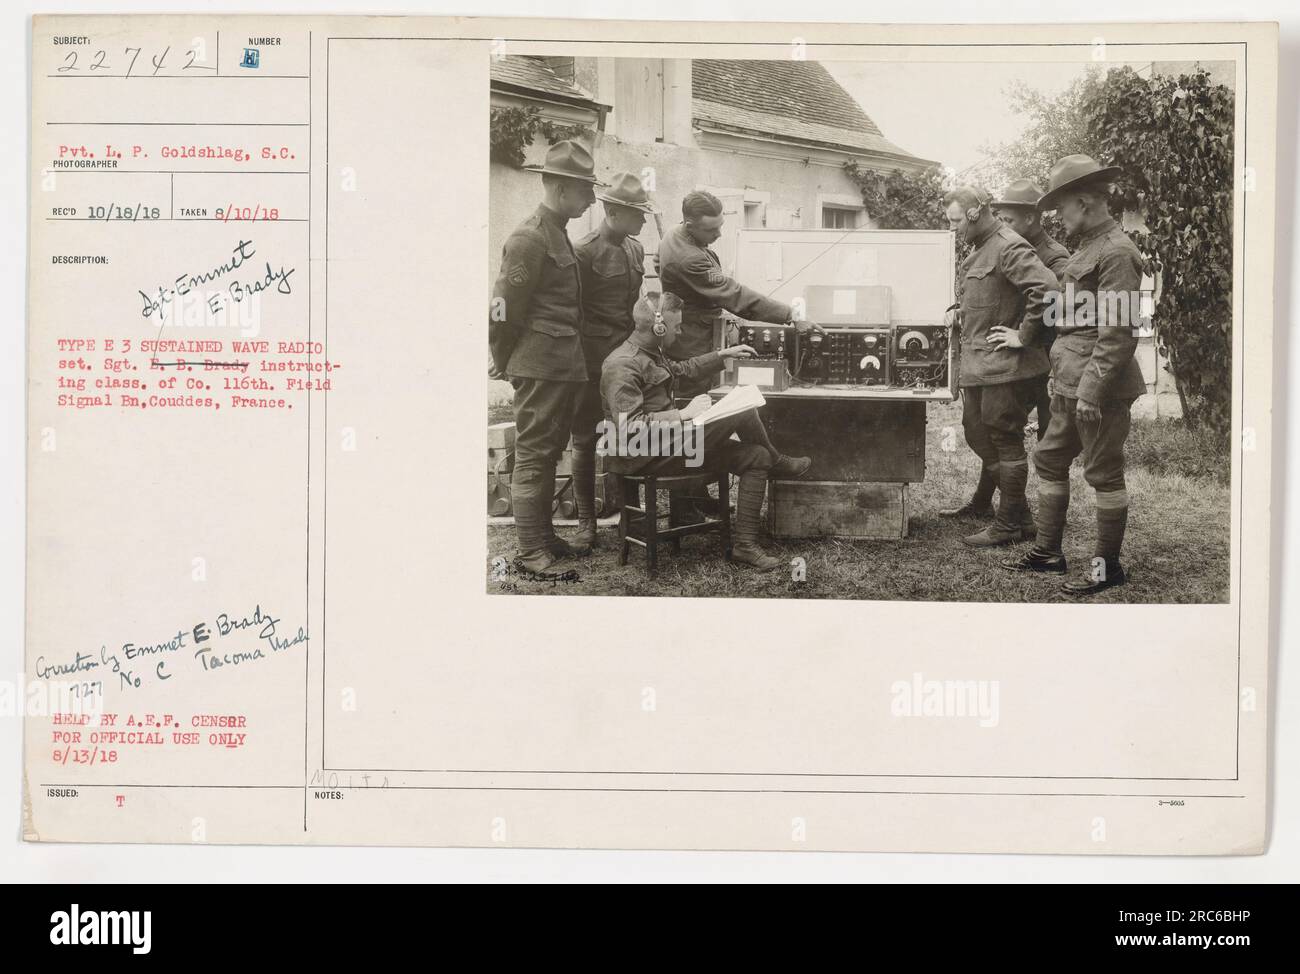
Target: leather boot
1040,562
535,562
584,495
568,549
557,546
749,509
1007,526
981,503
1104,573
789,468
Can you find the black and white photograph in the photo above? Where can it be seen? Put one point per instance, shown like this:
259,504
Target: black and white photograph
925,331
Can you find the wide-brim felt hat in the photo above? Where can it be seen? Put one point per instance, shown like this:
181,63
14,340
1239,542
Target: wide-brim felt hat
626,189
569,159
1074,172
1020,192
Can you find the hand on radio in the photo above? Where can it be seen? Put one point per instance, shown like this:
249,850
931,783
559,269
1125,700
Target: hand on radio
696,406
738,351
807,325
1004,337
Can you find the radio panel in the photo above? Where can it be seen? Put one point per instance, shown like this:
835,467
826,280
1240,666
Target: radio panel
920,356
899,357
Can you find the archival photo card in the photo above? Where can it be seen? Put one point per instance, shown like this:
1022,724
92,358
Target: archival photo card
899,398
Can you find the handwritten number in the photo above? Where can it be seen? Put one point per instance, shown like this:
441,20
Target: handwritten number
133,57
70,62
160,60
98,63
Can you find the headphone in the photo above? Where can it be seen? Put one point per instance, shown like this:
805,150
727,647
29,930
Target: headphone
659,328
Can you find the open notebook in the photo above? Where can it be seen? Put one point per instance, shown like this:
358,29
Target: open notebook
736,401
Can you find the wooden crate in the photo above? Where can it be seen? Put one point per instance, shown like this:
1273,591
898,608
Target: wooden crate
501,436
851,440
836,509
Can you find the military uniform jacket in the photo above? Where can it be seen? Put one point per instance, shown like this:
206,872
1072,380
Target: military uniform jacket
1054,256
695,275
611,283
1051,253
1003,283
540,335
1092,357
637,383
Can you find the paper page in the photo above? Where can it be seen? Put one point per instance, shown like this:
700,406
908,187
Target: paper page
739,399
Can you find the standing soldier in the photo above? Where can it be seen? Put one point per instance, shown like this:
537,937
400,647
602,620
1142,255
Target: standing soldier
1003,297
1018,209
1095,377
535,340
611,264
692,271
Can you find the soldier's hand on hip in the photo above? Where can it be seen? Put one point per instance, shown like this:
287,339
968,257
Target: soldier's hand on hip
738,351
1087,412
1004,337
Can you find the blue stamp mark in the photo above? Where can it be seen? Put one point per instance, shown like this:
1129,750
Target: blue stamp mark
252,58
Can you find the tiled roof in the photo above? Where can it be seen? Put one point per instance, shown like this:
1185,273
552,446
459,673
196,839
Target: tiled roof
536,75
708,114
802,90
787,99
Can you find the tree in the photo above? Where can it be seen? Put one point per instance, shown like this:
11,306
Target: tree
512,130
901,201
1173,139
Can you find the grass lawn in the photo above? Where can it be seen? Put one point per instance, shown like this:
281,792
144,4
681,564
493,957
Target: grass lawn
1176,549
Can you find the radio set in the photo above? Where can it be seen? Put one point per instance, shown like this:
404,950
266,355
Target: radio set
859,386
902,356
921,356
770,367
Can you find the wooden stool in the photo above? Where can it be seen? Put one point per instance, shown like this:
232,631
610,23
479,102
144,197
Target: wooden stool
645,531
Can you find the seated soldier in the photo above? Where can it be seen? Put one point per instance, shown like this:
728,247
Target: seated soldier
636,386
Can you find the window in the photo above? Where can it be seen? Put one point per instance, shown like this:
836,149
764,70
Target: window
755,217
839,218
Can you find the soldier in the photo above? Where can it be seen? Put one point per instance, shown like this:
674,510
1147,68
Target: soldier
1095,377
1003,296
611,264
1018,209
692,271
535,340
637,386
